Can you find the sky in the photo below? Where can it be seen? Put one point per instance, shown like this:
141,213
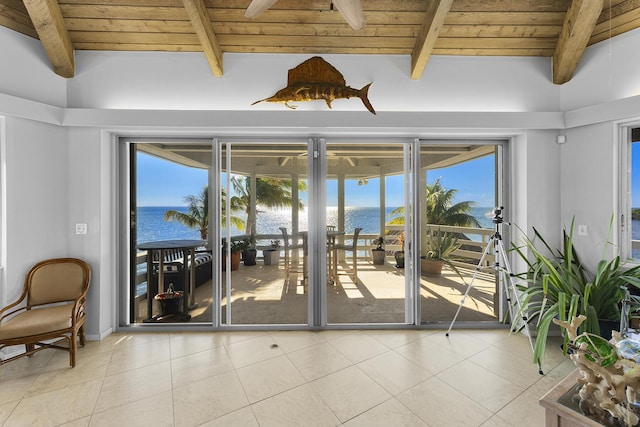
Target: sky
163,183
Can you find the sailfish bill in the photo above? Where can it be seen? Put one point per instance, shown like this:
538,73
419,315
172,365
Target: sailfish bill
316,79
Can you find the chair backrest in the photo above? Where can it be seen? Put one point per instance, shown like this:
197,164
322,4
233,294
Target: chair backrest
57,280
356,233
285,237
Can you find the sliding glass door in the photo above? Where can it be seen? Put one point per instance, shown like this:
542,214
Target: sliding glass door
459,185
169,245
264,217
366,196
311,232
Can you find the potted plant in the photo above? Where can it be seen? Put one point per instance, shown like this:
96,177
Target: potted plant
378,253
272,254
399,255
249,253
440,248
559,285
237,246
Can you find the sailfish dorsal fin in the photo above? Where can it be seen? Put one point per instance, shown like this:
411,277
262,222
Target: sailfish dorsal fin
315,70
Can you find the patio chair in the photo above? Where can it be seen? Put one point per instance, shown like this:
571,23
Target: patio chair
288,247
54,293
353,248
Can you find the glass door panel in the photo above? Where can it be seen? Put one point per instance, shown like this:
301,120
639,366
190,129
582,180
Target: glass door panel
365,184
457,193
169,188
264,223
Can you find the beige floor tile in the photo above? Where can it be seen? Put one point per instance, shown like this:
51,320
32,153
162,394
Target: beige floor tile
525,409
349,392
318,361
253,350
89,368
358,346
139,356
291,341
389,413
80,422
6,409
496,421
518,369
184,344
438,404
429,355
46,409
127,341
154,411
208,399
197,366
396,338
12,390
25,366
132,385
393,372
459,342
297,407
241,418
265,379
481,385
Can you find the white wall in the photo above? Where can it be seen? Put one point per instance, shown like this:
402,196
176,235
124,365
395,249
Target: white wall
608,71
25,70
61,163
183,81
37,197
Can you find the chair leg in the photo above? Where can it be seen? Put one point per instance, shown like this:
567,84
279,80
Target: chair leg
29,348
73,348
82,336
355,266
286,263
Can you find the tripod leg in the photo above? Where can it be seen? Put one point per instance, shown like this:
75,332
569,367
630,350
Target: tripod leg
475,274
512,295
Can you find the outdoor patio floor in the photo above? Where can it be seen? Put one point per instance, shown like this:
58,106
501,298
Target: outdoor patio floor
262,295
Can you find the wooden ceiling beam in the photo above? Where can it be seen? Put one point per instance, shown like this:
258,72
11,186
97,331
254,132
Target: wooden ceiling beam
48,23
201,23
577,29
436,13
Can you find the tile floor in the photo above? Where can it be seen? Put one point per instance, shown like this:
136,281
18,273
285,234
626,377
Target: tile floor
285,378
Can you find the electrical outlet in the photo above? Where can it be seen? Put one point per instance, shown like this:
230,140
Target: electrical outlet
582,230
81,228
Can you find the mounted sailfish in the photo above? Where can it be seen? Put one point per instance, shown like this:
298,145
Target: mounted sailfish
316,79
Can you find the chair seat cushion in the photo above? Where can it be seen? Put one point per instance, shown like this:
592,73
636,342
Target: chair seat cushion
37,321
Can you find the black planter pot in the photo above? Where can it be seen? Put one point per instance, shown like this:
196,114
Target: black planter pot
249,256
399,255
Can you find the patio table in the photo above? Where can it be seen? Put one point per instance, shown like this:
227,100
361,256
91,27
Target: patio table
188,250
331,262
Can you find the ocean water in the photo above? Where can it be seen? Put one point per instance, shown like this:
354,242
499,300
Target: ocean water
152,226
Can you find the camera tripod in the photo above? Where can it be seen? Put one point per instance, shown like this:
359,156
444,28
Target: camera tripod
505,277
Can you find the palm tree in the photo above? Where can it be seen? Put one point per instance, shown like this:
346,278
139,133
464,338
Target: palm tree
440,208
198,213
270,193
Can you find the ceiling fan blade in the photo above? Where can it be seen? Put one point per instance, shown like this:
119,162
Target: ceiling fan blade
352,12
257,7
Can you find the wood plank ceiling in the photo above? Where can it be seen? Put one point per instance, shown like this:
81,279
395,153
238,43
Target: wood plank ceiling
560,29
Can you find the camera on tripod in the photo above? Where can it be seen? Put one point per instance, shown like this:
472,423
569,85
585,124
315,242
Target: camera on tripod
497,215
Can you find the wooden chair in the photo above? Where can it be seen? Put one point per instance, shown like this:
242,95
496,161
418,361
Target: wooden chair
55,294
353,248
